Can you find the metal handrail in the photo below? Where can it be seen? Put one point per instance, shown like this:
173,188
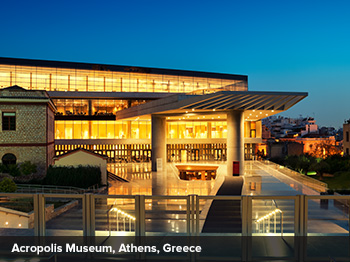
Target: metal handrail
193,209
267,218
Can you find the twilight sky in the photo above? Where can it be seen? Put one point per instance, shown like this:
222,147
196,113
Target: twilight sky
281,45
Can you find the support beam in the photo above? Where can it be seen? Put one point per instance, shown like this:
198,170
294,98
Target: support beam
158,141
235,141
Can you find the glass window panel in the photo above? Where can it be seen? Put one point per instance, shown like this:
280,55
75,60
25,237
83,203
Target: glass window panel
69,130
94,130
135,132
189,130
69,107
77,130
110,106
149,130
102,130
143,129
85,129
118,129
60,130
126,129
110,129
182,129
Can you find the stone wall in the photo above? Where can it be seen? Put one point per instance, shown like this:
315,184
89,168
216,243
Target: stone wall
34,154
30,123
34,126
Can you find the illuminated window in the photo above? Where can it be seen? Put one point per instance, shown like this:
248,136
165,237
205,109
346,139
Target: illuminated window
8,121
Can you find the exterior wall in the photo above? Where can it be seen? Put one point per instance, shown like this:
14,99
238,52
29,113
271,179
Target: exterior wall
30,123
33,138
13,218
34,154
84,159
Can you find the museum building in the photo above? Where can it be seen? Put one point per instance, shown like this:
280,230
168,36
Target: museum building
140,114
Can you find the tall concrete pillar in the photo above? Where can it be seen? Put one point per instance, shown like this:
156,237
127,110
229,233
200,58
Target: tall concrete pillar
235,141
158,141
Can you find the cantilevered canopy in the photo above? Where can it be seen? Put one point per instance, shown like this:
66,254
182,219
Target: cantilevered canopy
256,105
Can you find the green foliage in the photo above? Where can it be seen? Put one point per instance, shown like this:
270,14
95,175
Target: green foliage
300,163
7,185
306,163
12,170
340,182
27,168
321,167
81,176
338,163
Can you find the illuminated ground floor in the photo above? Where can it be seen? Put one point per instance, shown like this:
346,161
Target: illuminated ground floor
120,152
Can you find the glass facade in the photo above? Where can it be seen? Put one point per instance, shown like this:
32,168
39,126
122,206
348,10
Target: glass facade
138,129
65,79
86,116
196,130
94,107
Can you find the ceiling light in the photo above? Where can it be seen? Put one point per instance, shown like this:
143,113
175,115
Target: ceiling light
192,109
214,109
186,112
272,110
253,110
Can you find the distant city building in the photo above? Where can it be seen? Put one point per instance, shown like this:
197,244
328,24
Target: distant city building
286,133
284,126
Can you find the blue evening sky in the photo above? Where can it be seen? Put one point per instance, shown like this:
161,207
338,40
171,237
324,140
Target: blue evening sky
281,45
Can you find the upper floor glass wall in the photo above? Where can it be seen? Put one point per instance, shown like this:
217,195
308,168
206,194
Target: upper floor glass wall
61,79
93,107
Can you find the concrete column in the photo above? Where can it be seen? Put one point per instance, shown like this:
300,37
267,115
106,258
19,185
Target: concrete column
235,140
158,141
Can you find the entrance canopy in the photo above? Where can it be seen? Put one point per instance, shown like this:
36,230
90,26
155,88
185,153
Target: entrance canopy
256,105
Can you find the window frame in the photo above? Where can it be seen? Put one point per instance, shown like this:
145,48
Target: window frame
8,120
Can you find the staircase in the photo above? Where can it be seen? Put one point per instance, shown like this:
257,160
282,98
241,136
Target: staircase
224,216
114,177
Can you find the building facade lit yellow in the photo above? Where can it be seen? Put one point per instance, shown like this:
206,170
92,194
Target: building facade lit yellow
91,100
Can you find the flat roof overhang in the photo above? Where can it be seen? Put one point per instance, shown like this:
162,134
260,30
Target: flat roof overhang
256,105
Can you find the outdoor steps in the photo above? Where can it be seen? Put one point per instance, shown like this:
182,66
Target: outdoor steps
224,216
114,177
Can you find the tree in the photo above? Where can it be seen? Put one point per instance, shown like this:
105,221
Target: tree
324,149
27,168
7,185
321,167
